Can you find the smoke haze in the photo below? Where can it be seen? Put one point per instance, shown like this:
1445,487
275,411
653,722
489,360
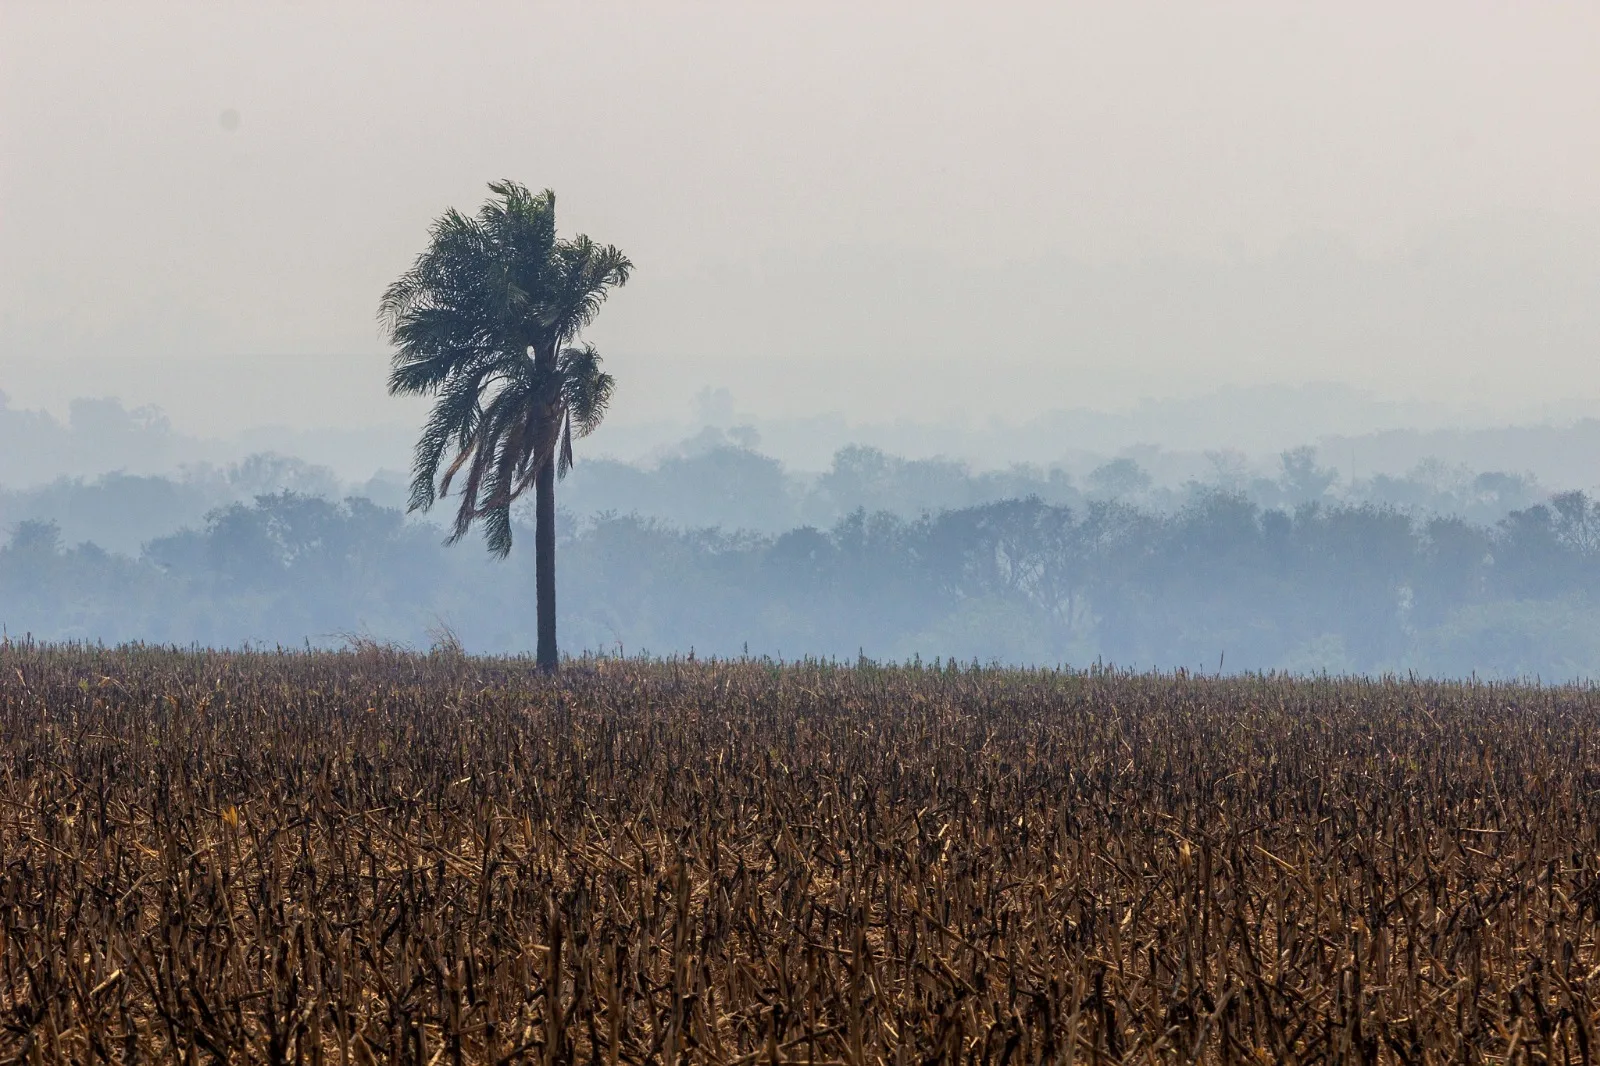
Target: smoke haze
927,211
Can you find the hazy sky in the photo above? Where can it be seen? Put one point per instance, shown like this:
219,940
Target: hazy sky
889,211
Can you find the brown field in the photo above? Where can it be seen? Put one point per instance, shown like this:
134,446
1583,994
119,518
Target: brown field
372,857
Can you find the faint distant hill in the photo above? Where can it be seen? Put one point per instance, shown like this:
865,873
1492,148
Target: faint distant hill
1357,434
100,435
1566,455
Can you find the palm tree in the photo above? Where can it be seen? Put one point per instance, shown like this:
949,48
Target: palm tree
487,322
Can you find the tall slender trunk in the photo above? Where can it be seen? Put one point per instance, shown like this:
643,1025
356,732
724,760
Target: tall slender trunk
544,551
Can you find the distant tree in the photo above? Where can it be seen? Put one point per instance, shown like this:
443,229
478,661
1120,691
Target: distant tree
1230,469
1119,478
1303,480
37,538
486,321
1577,520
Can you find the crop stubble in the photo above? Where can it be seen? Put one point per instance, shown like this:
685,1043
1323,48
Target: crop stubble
373,857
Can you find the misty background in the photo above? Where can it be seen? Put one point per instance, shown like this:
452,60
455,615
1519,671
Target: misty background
901,270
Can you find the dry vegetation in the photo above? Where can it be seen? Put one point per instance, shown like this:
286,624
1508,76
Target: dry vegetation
374,857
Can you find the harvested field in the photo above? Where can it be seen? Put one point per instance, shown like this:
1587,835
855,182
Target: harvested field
372,857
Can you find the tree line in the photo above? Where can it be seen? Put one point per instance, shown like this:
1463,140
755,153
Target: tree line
1219,584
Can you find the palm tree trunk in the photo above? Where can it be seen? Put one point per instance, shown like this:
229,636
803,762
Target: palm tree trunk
544,551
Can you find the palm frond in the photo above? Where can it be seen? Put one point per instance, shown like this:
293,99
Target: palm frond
478,458
456,256
454,418
484,321
585,388
501,490
565,463
584,274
